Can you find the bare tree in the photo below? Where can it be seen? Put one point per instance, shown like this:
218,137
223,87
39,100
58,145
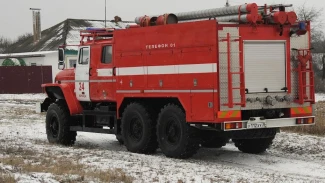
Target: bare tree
314,15
12,46
23,37
4,43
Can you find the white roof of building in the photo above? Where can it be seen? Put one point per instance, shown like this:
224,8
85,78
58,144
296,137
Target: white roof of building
27,54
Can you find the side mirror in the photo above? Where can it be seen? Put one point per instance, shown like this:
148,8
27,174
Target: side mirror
61,64
61,54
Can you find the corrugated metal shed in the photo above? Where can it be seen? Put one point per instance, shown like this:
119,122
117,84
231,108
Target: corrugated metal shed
66,32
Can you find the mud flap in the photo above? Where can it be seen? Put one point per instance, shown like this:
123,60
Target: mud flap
42,107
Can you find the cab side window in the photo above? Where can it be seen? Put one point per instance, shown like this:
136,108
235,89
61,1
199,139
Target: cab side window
84,56
107,55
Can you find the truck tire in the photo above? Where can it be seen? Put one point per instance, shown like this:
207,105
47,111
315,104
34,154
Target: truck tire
57,124
253,146
138,129
210,139
176,138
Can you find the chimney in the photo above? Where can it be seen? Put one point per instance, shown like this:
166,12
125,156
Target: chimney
36,24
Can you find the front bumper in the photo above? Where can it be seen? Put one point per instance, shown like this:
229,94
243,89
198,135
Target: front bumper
259,123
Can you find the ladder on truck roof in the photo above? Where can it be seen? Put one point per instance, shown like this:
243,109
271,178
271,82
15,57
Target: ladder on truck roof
93,34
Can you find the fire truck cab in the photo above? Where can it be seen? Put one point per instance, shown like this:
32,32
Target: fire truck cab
177,83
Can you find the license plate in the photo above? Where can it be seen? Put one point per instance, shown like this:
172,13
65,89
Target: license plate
256,125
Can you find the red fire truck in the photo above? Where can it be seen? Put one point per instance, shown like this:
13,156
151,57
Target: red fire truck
187,80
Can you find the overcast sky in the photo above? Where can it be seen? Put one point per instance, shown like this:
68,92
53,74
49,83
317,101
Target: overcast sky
16,18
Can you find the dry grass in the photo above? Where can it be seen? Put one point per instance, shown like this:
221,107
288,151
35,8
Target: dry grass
6,178
115,175
63,168
22,112
318,128
16,150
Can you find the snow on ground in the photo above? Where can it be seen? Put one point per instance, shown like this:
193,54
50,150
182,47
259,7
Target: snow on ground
320,97
32,97
292,158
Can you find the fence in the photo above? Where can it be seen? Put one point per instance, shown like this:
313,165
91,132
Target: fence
24,79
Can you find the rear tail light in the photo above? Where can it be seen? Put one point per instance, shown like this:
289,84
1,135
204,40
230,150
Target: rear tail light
299,121
239,125
310,120
229,126
304,120
233,125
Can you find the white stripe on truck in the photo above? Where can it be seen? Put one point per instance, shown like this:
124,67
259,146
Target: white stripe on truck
162,69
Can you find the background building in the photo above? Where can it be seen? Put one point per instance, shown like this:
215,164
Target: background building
43,51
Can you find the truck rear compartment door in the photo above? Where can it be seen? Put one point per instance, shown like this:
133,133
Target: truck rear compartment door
265,66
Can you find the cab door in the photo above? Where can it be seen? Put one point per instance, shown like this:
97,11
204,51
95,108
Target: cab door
82,74
103,81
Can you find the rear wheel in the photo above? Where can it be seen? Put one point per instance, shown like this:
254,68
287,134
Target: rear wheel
57,124
175,136
138,129
254,146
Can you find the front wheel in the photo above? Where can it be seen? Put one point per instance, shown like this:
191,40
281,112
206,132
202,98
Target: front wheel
175,136
57,124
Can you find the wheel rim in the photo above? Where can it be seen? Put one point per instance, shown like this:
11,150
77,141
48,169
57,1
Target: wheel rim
172,132
136,130
54,127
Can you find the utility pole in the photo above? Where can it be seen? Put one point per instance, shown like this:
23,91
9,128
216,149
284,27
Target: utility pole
105,13
227,3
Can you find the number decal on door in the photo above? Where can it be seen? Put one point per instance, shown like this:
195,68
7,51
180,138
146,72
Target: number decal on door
81,86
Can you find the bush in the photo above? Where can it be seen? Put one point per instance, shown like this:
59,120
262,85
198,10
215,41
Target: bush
13,62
